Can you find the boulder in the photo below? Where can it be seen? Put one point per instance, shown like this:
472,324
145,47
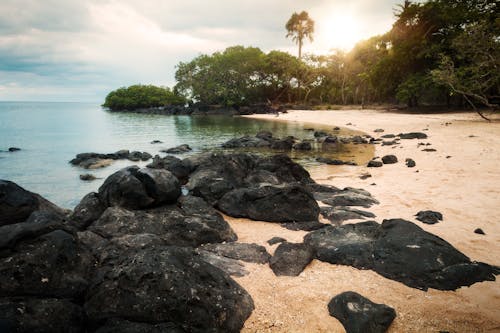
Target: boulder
330,161
283,144
17,204
270,203
246,141
330,140
360,315
87,211
320,134
290,259
264,135
304,145
337,215
176,166
239,251
276,240
230,266
401,251
184,148
410,163
13,149
156,142
389,159
167,285
429,216
136,188
412,135
350,197
304,226
479,231
23,314
375,164
87,177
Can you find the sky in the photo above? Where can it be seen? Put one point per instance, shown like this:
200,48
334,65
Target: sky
79,50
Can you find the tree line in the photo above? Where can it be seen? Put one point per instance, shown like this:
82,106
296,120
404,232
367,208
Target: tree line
439,52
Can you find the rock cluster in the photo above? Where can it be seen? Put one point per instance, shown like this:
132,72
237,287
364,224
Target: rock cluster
93,160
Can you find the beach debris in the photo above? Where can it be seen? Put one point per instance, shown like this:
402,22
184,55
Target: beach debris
412,135
429,216
290,259
276,240
399,250
360,315
181,149
479,231
374,164
389,159
87,177
410,163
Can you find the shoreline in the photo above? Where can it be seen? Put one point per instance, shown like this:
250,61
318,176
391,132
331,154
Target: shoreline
464,187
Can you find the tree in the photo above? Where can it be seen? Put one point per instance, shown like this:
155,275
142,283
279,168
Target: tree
141,96
298,27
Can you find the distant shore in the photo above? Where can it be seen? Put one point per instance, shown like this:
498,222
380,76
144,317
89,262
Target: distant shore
460,179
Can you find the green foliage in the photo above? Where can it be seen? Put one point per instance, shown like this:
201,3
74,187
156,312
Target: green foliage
141,96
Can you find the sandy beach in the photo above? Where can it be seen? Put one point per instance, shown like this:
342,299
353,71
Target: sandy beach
460,179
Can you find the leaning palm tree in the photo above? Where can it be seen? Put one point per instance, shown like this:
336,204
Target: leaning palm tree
300,26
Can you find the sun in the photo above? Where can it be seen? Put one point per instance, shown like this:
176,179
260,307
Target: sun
339,31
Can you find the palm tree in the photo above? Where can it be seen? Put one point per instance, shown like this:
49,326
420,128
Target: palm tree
300,26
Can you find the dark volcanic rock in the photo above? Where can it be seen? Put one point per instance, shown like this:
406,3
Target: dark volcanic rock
51,265
320,134
304,226
136,188
429,216
374,164
412,135
21,314
337,215
401,251
389,143
410,163
178,150
246,141
240,251
167,284
116,325
350,197
330,161
479,231
304,145
270,203
283,144
87,211
276,240
156,141
17,204
13,149
176,166
265,135
232,267
389,159
429,150
87,177
291,258
360,315
173,225
388,136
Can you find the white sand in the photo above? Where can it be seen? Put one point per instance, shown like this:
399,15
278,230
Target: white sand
464,187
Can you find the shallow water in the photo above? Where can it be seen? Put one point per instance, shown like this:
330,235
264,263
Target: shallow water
51,134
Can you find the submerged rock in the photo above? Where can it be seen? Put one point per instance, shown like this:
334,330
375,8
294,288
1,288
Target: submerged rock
401,251
360,315
184,148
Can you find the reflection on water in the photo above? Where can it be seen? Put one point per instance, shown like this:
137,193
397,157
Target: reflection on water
50,134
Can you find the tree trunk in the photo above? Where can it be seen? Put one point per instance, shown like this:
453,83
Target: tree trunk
300,48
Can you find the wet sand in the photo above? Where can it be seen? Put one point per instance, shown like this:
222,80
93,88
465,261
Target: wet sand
461,179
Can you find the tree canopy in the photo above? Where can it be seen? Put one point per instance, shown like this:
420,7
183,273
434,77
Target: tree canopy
141,96
298,27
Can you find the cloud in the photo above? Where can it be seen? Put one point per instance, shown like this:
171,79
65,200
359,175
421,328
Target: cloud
80,50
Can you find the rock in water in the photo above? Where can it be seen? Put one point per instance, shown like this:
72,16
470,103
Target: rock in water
271,203
401,251
178,150
17,204
87,177
429,216
360,315
291,258
167,284
136,188
13,149
389,159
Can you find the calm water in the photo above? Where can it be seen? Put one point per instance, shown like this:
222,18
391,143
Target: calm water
51,134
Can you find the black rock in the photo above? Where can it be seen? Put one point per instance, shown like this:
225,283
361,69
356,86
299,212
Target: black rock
230,266
365,176
304,226
330,139
290,259
350,197
319,134
276,240
479,231
87,211
401,251
429,216
13,149
360,315
412,135
270,203
177,167
304,145
374,164
283,144
265,135
388,136
136,188
17,204
336,128
429,149
87,177
330,161
246,141
389,143
23,314
337,215
116,325
156,141
410,163
178,150
389,159
378,130
240,251
51,265
167,284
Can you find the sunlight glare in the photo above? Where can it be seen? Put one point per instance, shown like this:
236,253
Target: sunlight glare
341,31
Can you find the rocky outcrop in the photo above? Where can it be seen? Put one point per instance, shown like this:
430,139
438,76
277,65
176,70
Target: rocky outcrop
184,148
239,251
290,259
401,251
96,160
360,315
429,216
